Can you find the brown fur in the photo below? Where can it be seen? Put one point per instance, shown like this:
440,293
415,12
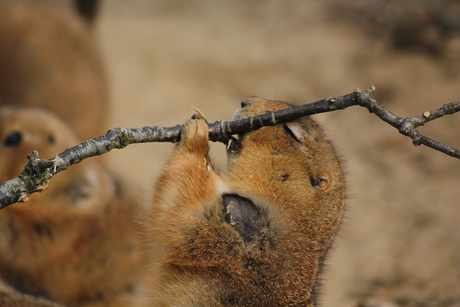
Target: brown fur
48,58
9,297
256,236
75,243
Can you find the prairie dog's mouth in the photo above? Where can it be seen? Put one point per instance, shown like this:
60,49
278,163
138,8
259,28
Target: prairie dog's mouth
234,145
247,110
239,114
235,142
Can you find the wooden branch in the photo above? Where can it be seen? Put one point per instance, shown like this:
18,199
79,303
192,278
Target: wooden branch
38,172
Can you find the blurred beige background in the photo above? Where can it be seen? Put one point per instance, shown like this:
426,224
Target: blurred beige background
400,241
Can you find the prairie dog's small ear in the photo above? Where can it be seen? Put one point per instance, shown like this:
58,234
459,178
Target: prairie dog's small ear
300,131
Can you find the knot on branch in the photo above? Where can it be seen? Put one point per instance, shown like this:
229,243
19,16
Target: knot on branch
356,94
123,137
36,166
36,175
364,97
330,101
407,127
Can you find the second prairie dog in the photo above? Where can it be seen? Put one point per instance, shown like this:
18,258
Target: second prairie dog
255,236
76,242
49,58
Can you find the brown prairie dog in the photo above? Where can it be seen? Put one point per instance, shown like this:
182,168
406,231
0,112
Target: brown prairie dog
255,236
48,58
75,243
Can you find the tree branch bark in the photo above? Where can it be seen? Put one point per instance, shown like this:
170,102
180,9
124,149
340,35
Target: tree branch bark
38,172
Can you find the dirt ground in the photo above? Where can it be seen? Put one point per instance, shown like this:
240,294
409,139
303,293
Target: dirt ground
400,241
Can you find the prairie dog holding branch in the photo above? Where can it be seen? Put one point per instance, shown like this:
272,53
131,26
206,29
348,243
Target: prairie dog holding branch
256,236
49,58
75,243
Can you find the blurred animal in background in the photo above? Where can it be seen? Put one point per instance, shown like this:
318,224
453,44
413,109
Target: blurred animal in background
255,236
75,243
49,58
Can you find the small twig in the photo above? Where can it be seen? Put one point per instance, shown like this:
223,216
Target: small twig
38,172
408,126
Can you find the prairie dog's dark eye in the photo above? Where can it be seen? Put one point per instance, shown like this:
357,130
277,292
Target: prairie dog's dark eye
13,139
246,104
51,138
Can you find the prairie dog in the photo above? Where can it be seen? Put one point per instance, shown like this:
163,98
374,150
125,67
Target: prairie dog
75,243
49,58
254,236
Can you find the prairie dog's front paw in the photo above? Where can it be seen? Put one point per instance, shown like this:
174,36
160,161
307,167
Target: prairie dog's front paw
194,135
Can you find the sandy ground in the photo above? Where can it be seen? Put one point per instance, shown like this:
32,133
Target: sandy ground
400,242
